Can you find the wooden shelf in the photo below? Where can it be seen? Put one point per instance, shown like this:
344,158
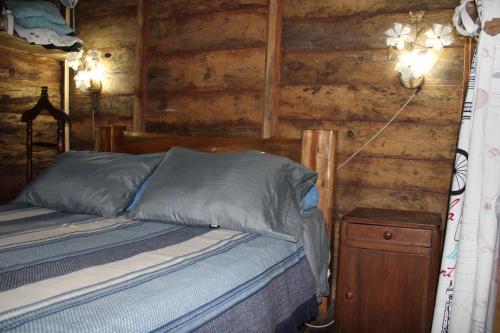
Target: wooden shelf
17,43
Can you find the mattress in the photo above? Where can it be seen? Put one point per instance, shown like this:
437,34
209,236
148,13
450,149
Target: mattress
62,272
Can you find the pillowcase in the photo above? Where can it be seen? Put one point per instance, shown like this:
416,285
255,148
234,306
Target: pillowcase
22,9
243,191
42,23
310,200
138,195
90,182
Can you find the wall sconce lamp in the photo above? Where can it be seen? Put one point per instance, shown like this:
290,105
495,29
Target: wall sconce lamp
90,72
416,49
89,77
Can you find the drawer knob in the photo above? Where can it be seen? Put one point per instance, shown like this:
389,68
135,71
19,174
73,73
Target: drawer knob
387,235
348,295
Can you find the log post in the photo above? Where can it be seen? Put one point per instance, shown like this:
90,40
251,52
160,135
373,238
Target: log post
318,154
108,137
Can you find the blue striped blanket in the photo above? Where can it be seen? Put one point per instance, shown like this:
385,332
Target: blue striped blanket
62,272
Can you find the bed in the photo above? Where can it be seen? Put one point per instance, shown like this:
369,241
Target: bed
73,272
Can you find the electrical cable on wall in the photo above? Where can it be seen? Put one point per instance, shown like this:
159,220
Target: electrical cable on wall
380,130
321,326
390,121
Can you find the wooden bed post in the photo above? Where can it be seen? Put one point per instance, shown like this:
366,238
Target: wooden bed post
318,154
108,137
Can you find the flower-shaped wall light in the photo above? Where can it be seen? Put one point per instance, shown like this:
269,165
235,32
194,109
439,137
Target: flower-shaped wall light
90,73
88,78
438,37
416,48
398,36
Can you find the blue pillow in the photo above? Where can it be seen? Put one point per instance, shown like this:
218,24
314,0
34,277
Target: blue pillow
138,195
90,182
242,191
310,200
43,23
22,9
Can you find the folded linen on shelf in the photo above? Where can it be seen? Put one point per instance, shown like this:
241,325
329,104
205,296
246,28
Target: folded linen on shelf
46,37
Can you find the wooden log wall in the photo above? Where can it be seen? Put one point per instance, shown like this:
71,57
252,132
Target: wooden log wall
205,74
205,64
21,77
335,74
111,28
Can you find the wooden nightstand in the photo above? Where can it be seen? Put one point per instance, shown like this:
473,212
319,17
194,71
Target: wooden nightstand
388,271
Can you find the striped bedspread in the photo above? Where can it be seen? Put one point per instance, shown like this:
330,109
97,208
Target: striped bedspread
62,272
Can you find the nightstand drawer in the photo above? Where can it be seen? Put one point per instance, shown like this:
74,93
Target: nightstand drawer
389,235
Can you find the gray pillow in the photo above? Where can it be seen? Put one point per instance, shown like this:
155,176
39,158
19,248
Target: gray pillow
244,191
90,182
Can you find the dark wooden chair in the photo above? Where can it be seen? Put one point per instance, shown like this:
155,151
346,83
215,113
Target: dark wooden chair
29,116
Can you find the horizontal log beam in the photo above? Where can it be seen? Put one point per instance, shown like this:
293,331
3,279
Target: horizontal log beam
322,8
350,197
180,8
235,69
218,31
315,67
343,102
399,139
397,174
353,32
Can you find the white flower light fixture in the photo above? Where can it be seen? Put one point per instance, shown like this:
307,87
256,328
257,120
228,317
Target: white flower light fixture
90,73
414,64
75,60
438,37
416,49
398,36
89,77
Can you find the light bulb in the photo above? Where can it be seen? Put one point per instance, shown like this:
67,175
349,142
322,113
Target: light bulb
413,66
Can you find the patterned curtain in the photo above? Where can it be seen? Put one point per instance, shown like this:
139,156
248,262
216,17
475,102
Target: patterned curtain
466,295
69,3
